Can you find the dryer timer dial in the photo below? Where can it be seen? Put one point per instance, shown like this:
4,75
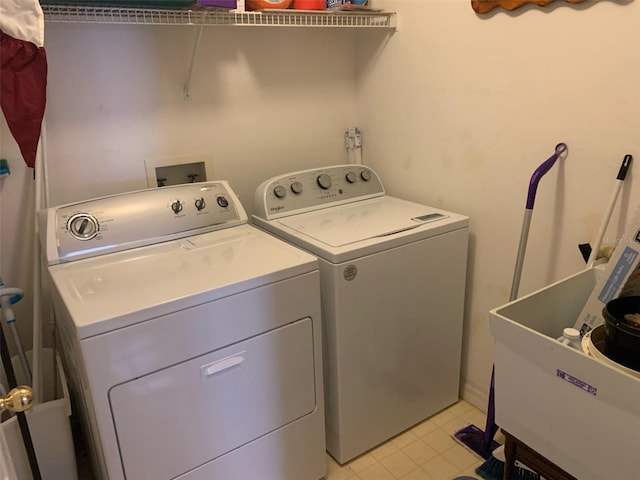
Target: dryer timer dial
83,226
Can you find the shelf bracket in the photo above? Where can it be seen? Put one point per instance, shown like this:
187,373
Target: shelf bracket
194,54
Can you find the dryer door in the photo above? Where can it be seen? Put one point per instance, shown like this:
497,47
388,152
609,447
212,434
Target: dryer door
215,403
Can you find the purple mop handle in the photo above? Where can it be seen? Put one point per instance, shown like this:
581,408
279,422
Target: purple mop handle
540,172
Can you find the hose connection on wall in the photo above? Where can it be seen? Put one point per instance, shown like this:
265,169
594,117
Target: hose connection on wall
353,143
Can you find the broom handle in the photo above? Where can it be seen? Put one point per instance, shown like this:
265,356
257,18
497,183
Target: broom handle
622,173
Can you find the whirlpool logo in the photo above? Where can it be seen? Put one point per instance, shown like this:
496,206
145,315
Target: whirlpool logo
276,209
350,272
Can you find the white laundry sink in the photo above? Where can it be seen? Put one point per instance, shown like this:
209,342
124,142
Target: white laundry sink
581,414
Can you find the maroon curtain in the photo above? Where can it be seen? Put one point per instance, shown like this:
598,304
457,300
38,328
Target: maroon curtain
23,87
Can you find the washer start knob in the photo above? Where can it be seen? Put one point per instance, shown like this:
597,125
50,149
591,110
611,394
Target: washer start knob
223,202
324,181
280,191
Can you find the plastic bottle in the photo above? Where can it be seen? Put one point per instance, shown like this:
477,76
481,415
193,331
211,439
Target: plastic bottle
571,338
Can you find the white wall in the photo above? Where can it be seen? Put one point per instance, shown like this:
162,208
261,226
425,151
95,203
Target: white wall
17,199
263,101
458,110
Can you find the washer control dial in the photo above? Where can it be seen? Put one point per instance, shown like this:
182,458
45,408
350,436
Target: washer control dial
365,175
324,181
351,177
280,191
222,201
296,187
83,226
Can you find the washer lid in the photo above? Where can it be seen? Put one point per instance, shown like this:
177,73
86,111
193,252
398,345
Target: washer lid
346,232
117,290
351,223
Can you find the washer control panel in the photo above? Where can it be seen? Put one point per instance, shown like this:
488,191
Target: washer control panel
307,190
135,219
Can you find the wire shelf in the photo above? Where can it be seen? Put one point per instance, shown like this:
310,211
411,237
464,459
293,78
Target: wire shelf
215,16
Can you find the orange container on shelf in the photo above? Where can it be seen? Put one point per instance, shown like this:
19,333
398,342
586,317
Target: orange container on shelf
309,4
265,4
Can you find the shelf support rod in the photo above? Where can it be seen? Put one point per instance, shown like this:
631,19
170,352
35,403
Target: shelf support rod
194,54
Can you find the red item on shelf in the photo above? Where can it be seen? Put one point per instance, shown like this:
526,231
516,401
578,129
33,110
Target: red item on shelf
309,4
265,4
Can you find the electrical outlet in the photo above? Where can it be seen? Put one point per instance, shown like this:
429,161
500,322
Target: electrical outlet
177,170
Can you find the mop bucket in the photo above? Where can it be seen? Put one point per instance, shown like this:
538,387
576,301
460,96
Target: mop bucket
49,425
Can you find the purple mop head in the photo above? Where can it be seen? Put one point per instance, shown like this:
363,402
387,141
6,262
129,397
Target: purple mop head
482,442
475,439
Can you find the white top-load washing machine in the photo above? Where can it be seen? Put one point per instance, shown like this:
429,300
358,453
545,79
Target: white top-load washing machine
393,285
192,340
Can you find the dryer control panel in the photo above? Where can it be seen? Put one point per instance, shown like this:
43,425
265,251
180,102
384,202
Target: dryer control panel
135,219
307,190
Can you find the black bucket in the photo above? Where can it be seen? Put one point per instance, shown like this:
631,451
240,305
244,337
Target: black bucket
622,336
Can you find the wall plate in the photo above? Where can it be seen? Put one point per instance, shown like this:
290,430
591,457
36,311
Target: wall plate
180,169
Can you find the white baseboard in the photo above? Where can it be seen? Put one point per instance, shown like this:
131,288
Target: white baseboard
474,396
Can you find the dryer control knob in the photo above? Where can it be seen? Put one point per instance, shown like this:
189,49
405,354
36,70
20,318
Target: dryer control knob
324,181
223,202
296,187
200,204
176,206
351,177
365,175
280,191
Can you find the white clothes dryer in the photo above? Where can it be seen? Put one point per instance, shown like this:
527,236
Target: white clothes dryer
192,340
393,278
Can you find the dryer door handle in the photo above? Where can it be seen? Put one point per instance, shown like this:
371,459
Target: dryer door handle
220,366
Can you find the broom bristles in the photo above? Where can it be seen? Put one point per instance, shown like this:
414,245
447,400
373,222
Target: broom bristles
493,469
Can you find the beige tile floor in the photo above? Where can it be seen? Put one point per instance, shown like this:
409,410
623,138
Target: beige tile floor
427,451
